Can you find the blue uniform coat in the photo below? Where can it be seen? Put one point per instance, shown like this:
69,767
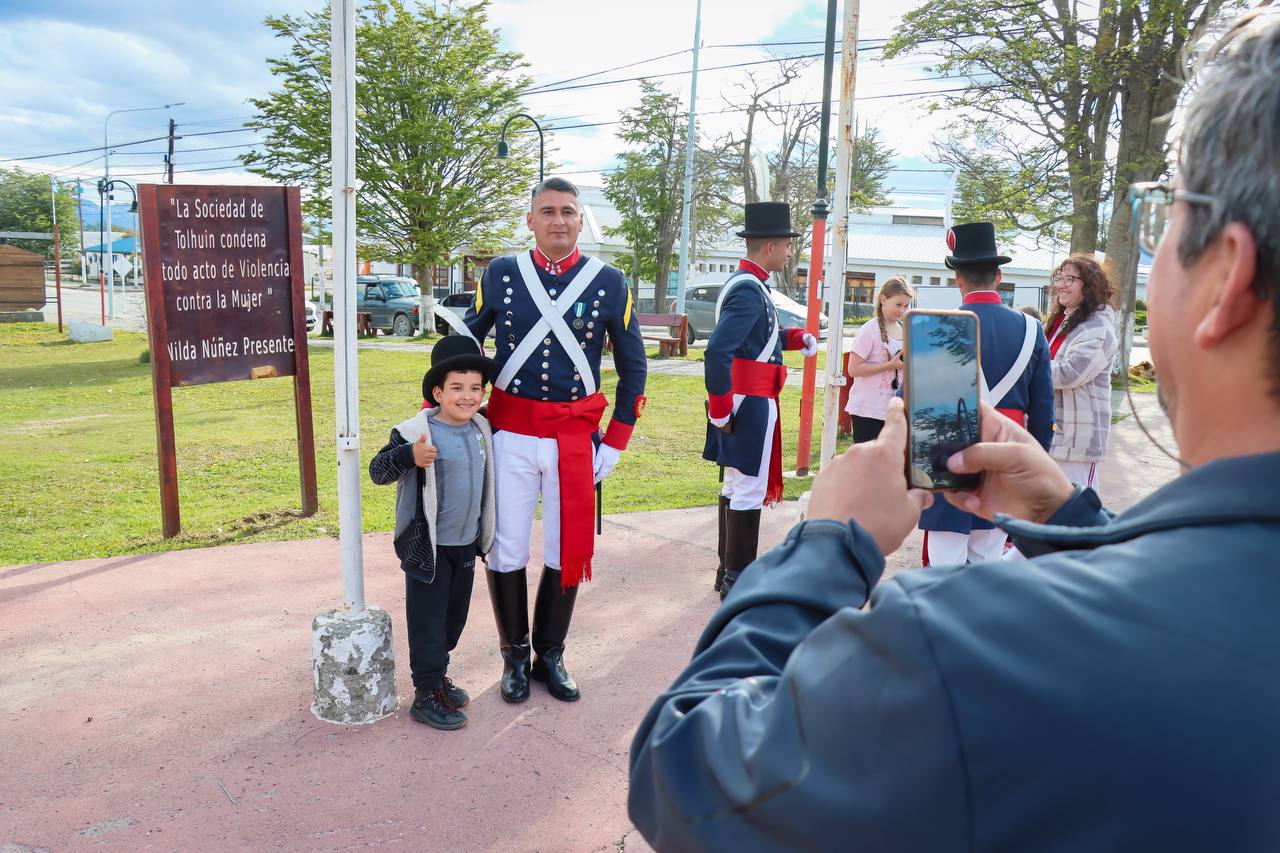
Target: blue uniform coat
1002,330
1117,692
503,304
747,320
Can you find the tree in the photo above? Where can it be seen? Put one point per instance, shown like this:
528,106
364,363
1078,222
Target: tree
432,92
792,166
26,204
1153,64
647,188
1041,84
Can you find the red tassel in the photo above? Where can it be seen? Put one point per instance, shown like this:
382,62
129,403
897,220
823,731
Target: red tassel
773,492
572,575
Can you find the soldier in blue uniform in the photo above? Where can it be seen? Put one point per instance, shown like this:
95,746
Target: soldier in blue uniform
744,376
551,308
1015,380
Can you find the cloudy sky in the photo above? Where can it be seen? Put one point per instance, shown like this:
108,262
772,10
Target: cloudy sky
65,64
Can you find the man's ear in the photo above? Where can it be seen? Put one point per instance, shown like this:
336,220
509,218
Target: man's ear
1227,268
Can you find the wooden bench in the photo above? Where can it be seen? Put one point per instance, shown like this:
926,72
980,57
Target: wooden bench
671,331
364,324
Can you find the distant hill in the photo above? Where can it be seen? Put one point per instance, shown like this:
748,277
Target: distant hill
119,212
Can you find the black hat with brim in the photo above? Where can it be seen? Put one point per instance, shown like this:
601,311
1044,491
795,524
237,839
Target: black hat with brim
973,244
455,352
767,219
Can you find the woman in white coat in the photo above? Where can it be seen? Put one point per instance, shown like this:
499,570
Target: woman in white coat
1082,343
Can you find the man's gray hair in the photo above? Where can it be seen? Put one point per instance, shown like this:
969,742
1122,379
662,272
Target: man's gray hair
559,185
1231,151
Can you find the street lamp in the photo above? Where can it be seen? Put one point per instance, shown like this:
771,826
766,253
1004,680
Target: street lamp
133,208
504,150
106,177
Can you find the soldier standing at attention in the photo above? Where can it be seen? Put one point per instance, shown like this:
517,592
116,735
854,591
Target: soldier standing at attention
550,308
744,375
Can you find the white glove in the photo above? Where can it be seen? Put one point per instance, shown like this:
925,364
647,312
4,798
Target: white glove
810,345
606,458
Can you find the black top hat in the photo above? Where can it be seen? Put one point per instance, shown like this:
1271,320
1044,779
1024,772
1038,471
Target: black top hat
768,219
455,352
972,244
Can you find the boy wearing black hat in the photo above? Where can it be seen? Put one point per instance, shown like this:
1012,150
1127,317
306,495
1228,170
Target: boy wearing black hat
441,463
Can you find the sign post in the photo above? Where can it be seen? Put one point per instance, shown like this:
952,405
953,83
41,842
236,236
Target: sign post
225,295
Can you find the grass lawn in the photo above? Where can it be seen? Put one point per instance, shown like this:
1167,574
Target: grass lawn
79,451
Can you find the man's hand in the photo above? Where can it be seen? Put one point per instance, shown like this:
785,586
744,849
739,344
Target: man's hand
423,454
606,457
868,483
1019,478
810,345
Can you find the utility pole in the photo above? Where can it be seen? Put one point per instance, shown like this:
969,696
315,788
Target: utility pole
57,249
168,160
683,278
840,243
816,252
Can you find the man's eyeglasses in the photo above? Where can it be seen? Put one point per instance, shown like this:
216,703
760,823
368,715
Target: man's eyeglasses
1151,203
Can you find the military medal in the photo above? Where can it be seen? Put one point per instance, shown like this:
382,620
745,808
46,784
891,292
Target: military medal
579,309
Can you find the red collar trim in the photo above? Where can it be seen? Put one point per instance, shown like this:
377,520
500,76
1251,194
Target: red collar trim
556,267
982,297
755,269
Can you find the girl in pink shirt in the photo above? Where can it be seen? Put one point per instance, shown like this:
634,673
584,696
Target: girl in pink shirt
875,363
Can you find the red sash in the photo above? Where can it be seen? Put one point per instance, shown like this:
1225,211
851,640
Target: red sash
1018,416
762,379
571,425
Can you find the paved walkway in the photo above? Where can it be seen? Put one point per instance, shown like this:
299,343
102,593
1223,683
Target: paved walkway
161,702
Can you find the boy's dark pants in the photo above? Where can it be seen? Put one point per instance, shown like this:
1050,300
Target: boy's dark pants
436,613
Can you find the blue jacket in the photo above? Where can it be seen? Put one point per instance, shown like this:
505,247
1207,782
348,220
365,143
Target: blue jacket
1002,331
747,320
1118,692
503,303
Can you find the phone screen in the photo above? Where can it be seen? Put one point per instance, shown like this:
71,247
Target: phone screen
941,395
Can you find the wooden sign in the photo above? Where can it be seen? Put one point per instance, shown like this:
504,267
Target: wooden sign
225,301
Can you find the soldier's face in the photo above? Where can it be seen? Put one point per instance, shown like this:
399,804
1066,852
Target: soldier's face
556,222
779,253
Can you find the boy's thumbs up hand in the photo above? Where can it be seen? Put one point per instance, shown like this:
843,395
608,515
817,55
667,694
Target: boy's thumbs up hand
423,454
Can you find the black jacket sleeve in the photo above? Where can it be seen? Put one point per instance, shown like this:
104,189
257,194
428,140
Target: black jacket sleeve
392,461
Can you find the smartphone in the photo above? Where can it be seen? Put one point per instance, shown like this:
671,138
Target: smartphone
942,361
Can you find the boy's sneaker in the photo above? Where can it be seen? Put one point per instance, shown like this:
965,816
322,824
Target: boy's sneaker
458,697
434,708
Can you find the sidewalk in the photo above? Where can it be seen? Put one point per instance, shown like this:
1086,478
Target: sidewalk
161,702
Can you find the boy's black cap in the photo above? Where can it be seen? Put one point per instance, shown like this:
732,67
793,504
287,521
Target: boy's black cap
455,352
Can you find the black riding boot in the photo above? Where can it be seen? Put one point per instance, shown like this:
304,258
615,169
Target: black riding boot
509,592
552,612
742,539
720,522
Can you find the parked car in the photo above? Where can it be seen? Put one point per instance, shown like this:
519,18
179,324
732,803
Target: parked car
456,304
393,301
700,305
313,316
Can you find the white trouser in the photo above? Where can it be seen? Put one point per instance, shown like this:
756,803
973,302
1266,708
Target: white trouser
745,491
525,466
1081,473
955,549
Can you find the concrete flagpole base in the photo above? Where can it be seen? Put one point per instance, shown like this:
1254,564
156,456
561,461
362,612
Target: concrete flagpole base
353,666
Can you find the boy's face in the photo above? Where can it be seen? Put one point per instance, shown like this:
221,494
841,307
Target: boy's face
460,395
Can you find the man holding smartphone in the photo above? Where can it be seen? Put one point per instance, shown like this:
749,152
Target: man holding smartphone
1119,690
1016,380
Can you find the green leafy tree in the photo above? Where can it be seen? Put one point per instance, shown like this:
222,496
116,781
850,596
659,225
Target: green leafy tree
432,92
871,162
646,188
26,204
1041,89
